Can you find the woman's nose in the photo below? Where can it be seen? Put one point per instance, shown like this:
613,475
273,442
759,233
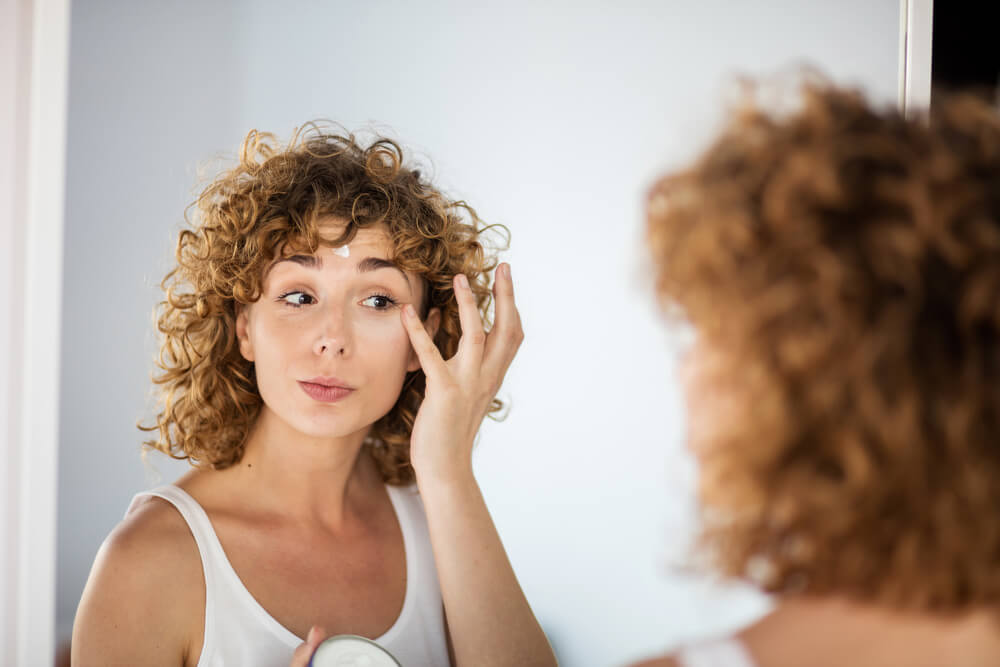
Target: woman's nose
333,334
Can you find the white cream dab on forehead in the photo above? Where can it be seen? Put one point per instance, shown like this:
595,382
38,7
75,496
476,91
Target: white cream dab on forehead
343,251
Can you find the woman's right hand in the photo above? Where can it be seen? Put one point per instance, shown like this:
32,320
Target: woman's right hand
305,650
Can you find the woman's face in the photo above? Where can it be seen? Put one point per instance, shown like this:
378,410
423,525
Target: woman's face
329,349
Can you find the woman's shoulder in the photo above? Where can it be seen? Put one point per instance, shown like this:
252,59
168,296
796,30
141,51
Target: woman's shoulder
152,533
658,662
728,651
150,550
147,573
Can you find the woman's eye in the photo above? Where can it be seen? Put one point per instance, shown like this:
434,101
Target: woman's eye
379,302
297,299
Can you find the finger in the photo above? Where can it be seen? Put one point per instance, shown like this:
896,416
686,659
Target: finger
427,352
316,636
301,656
304,652
506,335
473,340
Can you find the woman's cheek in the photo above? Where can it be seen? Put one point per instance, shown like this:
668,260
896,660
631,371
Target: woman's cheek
387,344
386,325
281,334
389,334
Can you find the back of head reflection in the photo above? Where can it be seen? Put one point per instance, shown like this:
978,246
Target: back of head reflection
840,265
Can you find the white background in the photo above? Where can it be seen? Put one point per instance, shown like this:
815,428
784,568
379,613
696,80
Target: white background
551,118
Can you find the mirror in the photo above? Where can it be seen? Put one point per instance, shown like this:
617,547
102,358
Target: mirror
549,118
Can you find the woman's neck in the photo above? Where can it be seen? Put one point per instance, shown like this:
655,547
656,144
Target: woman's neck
307,479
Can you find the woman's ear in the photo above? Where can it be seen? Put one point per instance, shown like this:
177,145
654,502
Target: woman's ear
431,324
242,336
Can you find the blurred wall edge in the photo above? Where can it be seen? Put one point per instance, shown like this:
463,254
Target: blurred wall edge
34,46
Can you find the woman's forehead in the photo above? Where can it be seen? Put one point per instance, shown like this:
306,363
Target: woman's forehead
365,242
369,250
332,229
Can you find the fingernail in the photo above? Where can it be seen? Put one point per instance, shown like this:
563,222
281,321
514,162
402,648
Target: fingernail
409,311
506,270
463,281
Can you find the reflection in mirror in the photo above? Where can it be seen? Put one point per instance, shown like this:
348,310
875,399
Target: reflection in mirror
552,121
324,367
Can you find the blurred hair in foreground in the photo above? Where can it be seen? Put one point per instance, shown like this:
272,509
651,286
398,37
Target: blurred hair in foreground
844,262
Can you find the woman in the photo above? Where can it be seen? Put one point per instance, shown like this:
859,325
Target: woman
840,266
323,359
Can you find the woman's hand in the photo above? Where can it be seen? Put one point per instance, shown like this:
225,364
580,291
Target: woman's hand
489,620
460,390
303,654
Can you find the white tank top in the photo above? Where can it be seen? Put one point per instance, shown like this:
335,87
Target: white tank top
715,653
240,633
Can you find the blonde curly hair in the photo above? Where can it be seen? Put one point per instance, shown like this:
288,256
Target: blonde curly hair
270,205
844,261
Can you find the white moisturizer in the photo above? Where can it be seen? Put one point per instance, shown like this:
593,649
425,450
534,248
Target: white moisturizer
351,651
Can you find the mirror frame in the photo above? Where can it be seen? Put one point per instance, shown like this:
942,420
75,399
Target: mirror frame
35,34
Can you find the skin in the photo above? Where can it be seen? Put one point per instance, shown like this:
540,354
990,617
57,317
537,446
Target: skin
830,631
304,517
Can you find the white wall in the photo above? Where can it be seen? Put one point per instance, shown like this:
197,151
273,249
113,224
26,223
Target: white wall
551,119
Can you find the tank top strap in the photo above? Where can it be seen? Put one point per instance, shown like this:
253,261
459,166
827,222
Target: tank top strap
209,548
193,513
716,653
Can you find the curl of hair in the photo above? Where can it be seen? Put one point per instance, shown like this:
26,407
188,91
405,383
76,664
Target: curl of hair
845,263
271,204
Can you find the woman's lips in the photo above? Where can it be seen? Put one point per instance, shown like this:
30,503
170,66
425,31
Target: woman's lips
324,393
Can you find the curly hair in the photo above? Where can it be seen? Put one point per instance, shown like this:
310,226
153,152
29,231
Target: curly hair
271,205
844,264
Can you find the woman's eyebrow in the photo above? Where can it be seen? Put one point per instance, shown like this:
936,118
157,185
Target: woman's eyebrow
308,261
376,263
367,265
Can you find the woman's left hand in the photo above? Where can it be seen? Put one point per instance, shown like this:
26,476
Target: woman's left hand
488,617
460,390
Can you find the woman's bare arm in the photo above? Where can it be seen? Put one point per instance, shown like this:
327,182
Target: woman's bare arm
489,619
137,606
